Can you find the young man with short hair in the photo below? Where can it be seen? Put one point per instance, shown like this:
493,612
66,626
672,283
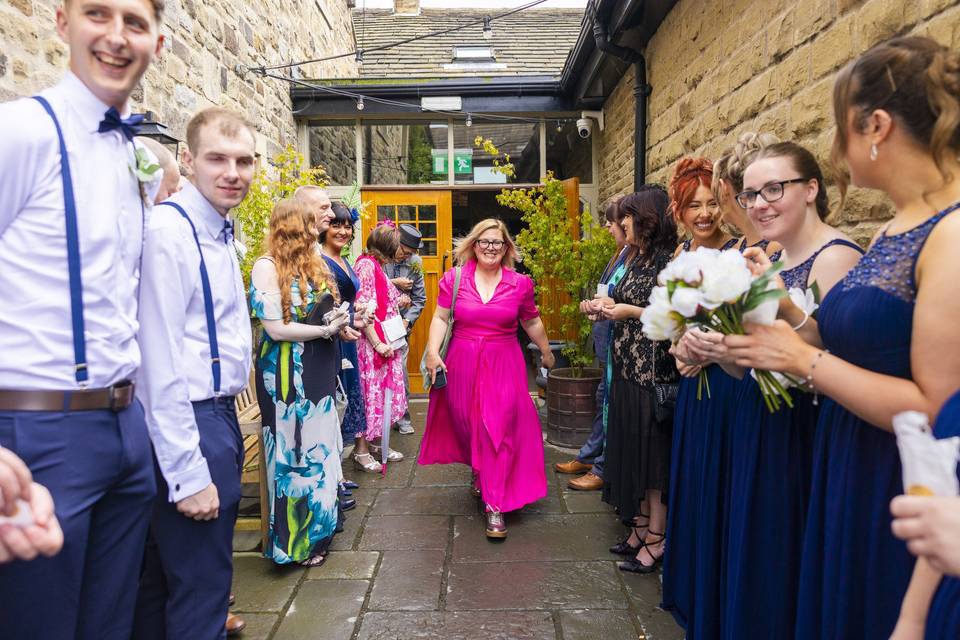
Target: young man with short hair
195,330
71,236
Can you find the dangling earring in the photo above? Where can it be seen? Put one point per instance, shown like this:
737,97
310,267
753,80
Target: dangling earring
873,151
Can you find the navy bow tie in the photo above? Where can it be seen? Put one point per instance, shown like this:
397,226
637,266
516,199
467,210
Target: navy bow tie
129,127
227,231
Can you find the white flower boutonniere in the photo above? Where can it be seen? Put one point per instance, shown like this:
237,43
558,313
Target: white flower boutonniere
146,167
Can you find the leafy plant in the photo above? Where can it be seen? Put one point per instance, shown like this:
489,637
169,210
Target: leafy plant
279,179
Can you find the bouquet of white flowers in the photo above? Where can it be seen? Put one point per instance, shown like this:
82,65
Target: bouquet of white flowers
715,290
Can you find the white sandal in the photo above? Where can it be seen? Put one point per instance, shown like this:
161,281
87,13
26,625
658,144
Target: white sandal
392,456
370,467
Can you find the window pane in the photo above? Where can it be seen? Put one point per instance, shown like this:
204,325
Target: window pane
333,147
428,230
569,155
406,213
385,212
428,212
519,140
398,153
429,248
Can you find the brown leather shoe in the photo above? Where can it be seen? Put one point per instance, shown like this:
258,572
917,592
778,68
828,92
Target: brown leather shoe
587,482
574,466
234,625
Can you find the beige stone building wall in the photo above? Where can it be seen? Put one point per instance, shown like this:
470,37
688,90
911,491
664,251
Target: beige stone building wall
205,41
721,67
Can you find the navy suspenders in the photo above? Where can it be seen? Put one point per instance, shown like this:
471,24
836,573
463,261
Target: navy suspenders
207,302
73,254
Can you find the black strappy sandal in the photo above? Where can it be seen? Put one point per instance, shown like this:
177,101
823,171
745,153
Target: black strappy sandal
624,548
635,566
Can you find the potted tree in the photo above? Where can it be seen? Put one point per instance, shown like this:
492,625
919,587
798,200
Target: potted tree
566,259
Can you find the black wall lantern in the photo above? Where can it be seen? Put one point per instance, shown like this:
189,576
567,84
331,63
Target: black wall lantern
151,128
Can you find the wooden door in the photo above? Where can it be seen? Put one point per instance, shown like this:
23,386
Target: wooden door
432,214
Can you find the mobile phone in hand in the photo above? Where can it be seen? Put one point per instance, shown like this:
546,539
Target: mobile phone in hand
440,379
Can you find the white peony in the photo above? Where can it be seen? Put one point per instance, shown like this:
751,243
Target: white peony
804,299
725,279
766,312
687,267
686,301
659,318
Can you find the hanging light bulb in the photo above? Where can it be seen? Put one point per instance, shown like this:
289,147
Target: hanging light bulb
469,122
487,28
559,127
360,103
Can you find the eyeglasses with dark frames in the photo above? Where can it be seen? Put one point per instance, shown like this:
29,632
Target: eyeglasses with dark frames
496,245
771,192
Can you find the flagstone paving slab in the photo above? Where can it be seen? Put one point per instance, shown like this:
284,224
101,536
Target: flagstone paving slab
549,537
597,624
431,475
534,585
323,609
458,625
394,533
259,625
585,502
347,565
262,586
408,581
425,501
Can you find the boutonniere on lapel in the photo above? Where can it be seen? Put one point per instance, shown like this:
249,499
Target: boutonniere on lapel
147,170
415,266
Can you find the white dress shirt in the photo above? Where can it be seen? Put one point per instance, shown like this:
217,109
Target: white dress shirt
173,333
36,334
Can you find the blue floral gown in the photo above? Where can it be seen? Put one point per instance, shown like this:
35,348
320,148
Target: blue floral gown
943,619
854,572
770,463
699,486
354,420
296,383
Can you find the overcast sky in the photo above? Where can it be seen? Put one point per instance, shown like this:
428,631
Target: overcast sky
482,4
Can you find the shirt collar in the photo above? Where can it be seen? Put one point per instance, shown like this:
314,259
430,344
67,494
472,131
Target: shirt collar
200,209
88,107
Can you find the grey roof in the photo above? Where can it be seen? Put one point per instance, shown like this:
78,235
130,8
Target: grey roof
531,42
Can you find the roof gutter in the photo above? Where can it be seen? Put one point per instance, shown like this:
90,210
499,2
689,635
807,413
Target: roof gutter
641,89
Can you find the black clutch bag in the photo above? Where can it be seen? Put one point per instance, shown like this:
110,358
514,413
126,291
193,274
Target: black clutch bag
325,304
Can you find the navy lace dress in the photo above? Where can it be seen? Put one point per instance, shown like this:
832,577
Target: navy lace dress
354,420
692,587
770,461
943,619
854,571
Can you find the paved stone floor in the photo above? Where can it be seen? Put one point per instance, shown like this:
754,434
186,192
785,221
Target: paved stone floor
413,563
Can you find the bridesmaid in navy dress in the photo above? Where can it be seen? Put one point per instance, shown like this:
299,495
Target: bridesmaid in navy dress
694,584
770,453
332,241
696,422
889,342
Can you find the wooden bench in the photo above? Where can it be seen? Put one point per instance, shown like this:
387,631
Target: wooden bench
248,415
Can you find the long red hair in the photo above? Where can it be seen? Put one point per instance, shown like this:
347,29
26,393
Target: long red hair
294,250
689,174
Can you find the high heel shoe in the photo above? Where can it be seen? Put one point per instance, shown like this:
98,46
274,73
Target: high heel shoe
392,456
635,566
368,466
624,548
496,529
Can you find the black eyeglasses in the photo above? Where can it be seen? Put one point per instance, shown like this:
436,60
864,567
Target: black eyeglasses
491,244
770,192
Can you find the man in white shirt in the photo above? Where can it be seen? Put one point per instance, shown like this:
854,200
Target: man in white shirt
195,332
71,235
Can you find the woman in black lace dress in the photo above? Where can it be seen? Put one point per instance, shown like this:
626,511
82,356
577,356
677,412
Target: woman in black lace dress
638,446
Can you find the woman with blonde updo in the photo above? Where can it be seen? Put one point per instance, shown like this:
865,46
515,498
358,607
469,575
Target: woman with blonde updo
291,291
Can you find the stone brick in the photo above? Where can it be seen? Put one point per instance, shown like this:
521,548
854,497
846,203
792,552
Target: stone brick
811,110
24,6
780,36
832,48
812,16
879,20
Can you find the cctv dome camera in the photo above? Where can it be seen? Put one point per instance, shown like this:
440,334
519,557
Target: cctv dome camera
584,127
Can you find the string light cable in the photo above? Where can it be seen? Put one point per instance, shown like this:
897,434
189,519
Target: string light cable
486,21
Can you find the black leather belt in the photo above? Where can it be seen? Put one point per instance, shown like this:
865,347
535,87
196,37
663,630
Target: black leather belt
115,398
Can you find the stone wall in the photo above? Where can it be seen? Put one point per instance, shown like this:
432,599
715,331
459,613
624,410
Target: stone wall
205,41
721,67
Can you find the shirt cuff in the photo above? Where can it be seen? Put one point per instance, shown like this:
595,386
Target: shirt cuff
186,483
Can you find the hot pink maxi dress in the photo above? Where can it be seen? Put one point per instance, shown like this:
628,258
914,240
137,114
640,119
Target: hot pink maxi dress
485,417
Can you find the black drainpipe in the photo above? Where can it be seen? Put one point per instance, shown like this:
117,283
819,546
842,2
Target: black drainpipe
641,92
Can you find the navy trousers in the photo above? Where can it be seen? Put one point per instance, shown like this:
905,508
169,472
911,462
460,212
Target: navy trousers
188,565
592,450
97,465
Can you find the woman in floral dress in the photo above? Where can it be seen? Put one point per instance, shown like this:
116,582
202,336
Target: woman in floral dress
296,366
381,368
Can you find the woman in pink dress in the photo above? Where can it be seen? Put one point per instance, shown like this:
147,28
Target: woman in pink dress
381,367
484,416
